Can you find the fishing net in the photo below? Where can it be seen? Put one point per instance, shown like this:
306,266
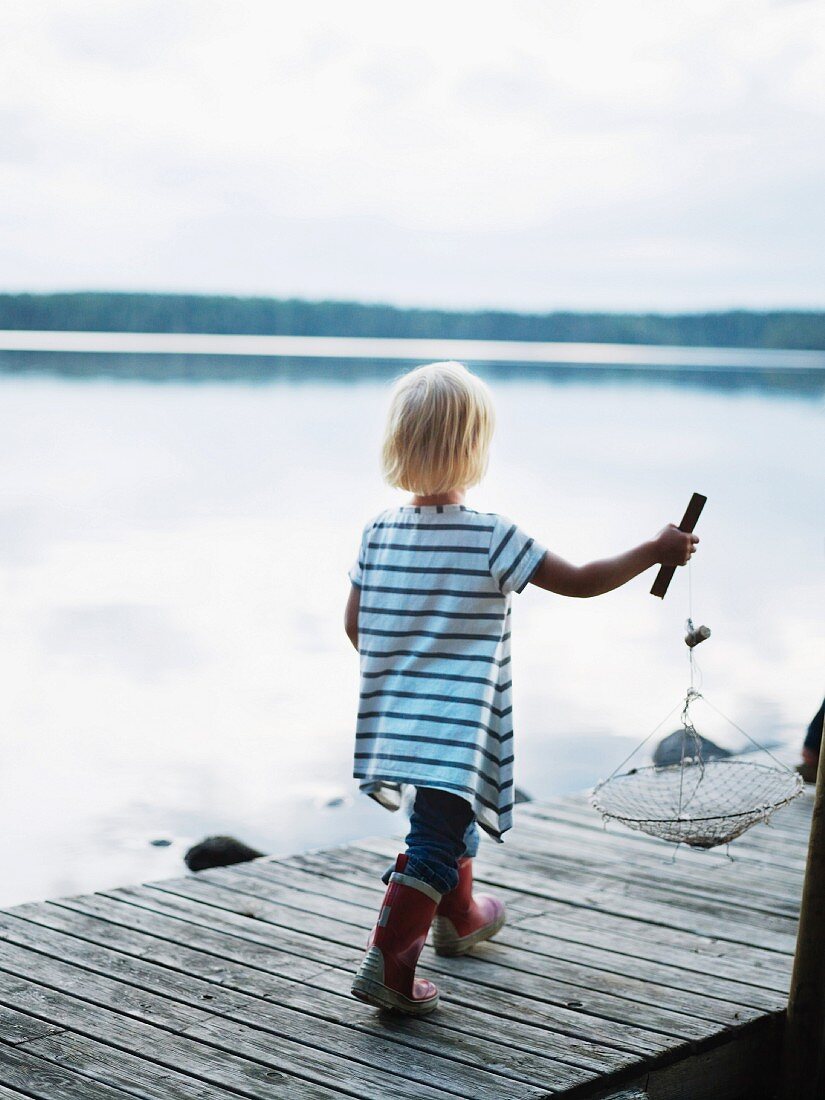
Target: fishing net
699,802
707,798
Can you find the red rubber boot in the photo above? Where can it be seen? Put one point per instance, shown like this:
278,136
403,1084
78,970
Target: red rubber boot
386,977
462,920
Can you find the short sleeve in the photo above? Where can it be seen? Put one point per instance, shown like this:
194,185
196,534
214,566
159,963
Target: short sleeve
356,573
514,556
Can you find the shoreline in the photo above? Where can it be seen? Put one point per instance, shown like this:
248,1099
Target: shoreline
661,357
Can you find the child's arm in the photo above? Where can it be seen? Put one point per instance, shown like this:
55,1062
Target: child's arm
351,614
670,547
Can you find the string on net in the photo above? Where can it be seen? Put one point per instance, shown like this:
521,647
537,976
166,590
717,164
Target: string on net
699,802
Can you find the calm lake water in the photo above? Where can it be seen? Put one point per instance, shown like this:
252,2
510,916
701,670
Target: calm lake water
173,563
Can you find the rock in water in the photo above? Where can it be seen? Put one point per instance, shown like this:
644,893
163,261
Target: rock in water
669,749
219,851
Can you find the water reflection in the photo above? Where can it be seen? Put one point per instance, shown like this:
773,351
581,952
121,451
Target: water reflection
173,565
801,382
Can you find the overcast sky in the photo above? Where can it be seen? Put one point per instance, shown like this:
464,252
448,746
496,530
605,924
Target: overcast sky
533,154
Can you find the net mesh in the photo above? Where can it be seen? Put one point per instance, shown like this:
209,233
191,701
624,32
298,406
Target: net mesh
701,801
696,802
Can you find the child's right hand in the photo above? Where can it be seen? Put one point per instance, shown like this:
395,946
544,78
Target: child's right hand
674,547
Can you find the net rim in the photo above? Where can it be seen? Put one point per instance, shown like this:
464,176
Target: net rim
765,808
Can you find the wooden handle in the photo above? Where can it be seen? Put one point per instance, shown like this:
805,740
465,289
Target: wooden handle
665,574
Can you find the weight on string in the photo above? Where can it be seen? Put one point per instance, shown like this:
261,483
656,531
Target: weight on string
695,635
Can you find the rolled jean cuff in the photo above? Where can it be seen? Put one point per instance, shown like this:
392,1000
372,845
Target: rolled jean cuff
471,839
439,876
425,871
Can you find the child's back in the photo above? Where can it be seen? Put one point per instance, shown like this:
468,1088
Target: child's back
434,638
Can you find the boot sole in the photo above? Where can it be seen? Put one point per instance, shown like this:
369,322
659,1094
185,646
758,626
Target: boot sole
446,943
369,987
381,996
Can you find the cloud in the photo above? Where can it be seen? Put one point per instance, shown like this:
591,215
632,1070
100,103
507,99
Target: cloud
423,154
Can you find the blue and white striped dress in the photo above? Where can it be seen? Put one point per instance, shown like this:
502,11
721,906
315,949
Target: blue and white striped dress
435,707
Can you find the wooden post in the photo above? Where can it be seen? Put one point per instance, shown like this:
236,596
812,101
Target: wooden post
803,1076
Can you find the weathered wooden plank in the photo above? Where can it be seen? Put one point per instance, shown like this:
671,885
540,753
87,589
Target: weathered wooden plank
298,1054
526,956
587,1000
178,920
359,885
136,1076
45,1081
614,961
719,921
123,998
572,1056
723,918
327,1023
755,886
706,971
613,842
499,1000
356,1078
710,1000
242,924
582,947
221,949
642,903
210,954
488,965
626,941
362,867
659,928
303,875
590,871
333,904
778,912
16,1027
461,1040
255,1079
729,1002
547,1019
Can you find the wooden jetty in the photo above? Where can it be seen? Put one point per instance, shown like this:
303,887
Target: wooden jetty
620,974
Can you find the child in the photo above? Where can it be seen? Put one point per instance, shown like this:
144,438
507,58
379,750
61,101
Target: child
813,744
429,612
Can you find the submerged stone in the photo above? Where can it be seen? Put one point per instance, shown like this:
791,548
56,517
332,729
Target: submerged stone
219,851
669,749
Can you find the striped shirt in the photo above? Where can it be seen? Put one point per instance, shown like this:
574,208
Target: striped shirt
435,708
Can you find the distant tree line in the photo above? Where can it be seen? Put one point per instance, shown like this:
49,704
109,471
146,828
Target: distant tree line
110,312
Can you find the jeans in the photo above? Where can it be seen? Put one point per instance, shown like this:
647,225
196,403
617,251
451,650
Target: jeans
813,740
442,830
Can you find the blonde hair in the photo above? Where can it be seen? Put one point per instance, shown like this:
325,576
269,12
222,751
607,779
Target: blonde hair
439,428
